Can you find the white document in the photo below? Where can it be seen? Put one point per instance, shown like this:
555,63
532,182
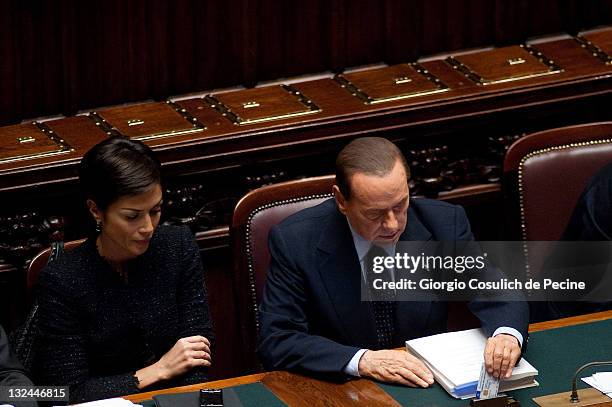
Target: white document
602,381
455,359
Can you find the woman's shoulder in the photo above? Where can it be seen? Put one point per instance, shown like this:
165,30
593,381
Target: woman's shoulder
70,267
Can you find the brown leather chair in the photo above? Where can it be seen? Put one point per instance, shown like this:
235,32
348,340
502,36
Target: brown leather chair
253,217
545,173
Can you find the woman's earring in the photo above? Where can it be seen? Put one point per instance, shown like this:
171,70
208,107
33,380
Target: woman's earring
98,227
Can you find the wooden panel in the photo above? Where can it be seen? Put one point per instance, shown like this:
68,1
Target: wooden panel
599,43
602,39
262,104
79,132
29,141
147,121
341,113
504,64
390,83
61,57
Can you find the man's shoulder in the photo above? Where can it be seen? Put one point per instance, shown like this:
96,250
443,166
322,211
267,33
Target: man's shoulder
433,205
442,220
312,217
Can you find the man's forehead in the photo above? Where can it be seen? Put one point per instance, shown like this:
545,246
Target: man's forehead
379,198
375,190
382,204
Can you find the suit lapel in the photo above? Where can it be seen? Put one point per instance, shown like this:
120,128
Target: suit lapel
415,229
341,275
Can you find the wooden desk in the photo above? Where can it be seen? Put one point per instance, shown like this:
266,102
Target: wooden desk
295,389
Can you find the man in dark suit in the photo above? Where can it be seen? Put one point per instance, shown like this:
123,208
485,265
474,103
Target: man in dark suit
312,317
591,222
12,374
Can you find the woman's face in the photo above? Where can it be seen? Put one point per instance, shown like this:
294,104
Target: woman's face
128,224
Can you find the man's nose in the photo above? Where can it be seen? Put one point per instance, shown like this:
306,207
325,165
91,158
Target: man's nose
390,222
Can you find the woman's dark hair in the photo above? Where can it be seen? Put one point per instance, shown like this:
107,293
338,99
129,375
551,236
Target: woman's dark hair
117,167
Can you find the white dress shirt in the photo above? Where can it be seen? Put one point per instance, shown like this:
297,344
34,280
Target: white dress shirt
362,246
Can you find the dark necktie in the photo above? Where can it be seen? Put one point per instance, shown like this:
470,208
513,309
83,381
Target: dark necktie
383,303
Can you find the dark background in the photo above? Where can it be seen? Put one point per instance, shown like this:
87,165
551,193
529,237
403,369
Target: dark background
59,57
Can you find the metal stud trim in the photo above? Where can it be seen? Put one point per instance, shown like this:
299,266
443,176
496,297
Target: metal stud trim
248,239
521,169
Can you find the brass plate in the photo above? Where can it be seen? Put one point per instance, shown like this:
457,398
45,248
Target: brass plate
260,105
30,141
599,44
147,121
391,83
505,64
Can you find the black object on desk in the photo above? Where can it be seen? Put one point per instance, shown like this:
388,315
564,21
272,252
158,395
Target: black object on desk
227,398
500,401
211,398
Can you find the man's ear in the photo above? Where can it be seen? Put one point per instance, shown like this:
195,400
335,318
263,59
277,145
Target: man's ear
94,210
340,200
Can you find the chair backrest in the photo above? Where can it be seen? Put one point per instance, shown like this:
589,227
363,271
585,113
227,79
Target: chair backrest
39,262
253,217
547,171
24,339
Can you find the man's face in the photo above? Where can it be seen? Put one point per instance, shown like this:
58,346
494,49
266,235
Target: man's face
378,207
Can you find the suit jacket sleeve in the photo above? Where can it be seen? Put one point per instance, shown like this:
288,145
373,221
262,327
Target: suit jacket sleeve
285,341
493,314
11,371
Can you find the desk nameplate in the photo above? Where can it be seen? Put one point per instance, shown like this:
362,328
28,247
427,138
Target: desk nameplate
505,64
147,121
391,83
258,105
30,141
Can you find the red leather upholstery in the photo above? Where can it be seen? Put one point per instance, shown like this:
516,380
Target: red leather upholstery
260,225
263,208
253,217
551,168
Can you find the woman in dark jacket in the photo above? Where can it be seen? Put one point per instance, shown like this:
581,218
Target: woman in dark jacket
125,311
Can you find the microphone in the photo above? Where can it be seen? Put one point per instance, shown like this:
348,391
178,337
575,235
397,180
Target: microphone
574,396
590,396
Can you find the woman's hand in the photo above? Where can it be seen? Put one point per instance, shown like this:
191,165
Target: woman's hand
186,354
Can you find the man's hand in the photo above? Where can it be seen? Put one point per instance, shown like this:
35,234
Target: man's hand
501,353
395,366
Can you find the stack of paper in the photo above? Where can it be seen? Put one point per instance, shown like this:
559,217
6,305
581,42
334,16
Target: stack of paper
602,381
455,359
